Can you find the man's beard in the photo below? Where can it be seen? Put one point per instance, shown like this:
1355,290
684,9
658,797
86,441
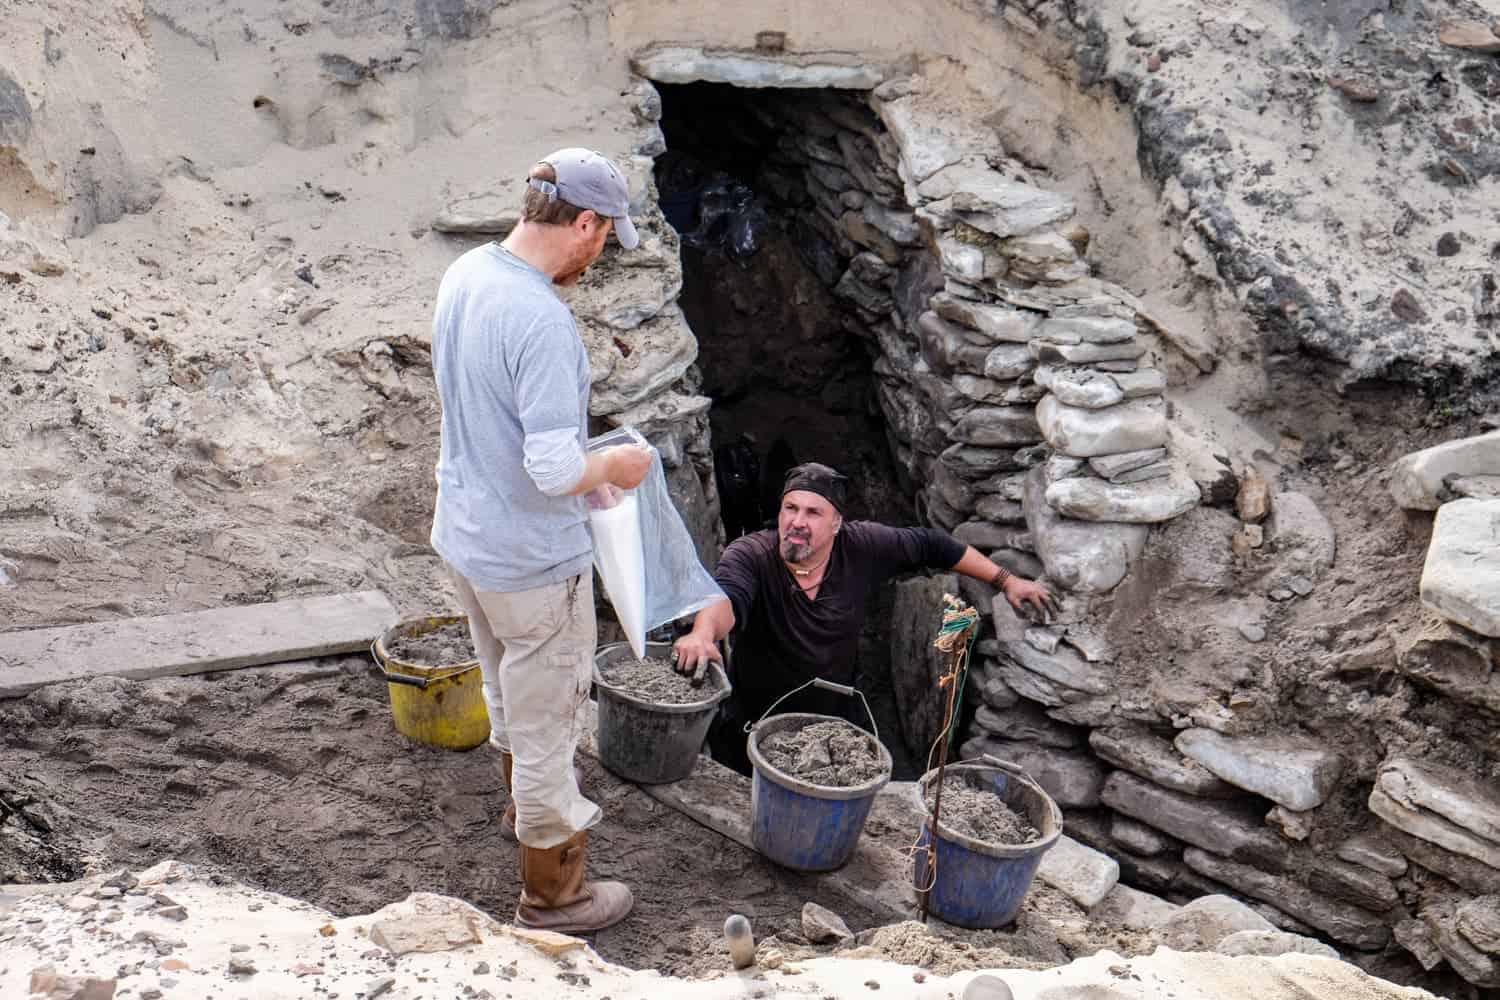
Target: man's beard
795,552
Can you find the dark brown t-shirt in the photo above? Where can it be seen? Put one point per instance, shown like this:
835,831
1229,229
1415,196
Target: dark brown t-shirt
782,638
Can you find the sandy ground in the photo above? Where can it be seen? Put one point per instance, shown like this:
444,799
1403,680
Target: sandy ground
293,780
234,941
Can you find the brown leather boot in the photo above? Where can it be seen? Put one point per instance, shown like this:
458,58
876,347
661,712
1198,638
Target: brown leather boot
508,821
555,897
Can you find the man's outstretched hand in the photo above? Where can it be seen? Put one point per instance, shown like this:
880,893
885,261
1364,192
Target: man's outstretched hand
692,654
1020,592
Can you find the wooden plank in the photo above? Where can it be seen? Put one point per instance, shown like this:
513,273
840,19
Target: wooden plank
714,796
878,875
196,642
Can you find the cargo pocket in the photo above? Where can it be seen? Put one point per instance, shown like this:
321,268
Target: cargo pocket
536,614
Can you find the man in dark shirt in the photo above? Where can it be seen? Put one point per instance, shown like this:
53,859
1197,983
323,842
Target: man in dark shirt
797,598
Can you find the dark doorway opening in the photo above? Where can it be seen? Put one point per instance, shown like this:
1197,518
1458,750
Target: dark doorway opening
786,350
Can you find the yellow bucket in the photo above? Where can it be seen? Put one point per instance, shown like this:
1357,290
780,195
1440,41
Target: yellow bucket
440,705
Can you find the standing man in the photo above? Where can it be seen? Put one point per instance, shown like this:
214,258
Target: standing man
513,377
797,598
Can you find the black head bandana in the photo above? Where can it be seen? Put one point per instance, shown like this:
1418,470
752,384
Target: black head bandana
820,479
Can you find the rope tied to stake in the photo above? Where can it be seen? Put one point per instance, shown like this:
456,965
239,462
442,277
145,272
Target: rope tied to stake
960,622
956,634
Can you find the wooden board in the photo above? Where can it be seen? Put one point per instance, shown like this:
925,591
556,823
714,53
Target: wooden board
196,642
878,876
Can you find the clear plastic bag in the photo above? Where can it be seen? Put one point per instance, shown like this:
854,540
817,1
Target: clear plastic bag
642,550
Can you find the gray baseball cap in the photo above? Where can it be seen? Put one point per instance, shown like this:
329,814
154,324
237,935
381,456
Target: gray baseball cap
591,180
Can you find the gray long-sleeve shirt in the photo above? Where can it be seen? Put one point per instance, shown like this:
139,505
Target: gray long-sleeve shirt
513,377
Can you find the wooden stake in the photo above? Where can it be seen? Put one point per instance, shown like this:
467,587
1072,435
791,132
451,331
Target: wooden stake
951,680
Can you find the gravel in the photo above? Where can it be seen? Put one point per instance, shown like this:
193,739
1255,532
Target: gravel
980,814
825,753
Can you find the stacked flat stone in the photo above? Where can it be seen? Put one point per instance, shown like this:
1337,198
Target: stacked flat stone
961,423
641,349
1441,818
1020,331
1105,419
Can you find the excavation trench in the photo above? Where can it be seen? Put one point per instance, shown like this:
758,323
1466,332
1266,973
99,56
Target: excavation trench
292,777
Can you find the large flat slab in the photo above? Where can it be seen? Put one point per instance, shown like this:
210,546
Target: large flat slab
1294,773
1417,479
1461,578
195,642
878,876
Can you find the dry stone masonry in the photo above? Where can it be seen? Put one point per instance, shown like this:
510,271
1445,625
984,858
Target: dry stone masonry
1022,405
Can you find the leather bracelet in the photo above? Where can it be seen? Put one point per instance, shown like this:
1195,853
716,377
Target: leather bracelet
1001,575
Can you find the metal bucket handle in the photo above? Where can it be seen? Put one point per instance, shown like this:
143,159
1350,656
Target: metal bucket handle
411,679
847,690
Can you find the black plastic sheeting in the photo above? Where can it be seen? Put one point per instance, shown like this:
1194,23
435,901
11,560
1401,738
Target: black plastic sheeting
721,215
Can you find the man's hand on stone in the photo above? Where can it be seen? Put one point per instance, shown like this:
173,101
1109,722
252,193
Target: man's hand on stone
1020,592
692,654
628,465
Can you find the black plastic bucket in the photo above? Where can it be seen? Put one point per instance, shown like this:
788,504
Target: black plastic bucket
647,742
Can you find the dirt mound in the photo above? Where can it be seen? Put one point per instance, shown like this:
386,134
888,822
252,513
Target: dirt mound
654,680
831,753
443,646
975,812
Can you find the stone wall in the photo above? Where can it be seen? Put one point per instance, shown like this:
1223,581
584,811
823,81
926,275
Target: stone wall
1025,408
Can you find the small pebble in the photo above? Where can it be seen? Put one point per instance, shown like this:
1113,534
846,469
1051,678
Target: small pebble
987,988
1300,585
482,969
1281,594
1253,632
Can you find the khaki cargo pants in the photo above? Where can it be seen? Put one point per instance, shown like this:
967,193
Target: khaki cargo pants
536,651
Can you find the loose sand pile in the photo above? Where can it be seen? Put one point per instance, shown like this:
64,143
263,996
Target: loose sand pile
981,814
444,645
653,679
825,753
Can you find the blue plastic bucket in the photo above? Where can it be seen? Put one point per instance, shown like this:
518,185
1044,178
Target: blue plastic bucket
980,884
799,825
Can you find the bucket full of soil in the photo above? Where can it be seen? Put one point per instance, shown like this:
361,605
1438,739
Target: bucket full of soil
994,825
816,777
652,720
435,685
